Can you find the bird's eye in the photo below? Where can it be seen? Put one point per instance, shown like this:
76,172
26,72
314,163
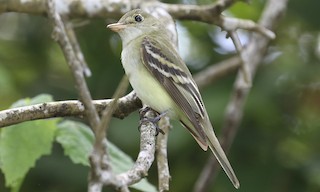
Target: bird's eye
138,18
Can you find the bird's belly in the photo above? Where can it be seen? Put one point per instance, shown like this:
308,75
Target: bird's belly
147,88
152,94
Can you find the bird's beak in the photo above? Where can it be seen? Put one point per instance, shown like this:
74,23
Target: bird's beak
116,27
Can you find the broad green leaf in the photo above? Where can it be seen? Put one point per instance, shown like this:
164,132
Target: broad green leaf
77,139
23,144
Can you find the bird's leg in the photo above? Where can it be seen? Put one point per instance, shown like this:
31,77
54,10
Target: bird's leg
155,120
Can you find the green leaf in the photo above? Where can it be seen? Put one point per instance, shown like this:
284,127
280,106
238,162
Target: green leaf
23,144
77,140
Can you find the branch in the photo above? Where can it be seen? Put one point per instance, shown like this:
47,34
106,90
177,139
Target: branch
216,71
145,157
203,13
245,69
162,157
232,24
107,9
99,160
125,106
255,51
107,112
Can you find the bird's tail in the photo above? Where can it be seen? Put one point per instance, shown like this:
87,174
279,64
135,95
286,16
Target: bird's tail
203,133
218,152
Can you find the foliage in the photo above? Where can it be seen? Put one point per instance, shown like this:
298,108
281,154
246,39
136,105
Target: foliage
21,145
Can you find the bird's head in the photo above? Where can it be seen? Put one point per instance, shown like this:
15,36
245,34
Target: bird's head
134,24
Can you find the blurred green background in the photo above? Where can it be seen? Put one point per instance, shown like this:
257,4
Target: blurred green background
277,148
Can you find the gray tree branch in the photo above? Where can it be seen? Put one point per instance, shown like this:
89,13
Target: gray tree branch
146,154
109,9
72,108
162,156
216,71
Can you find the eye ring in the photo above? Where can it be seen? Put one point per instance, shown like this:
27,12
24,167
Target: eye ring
138,18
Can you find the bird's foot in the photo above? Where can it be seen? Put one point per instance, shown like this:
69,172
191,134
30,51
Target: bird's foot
154,120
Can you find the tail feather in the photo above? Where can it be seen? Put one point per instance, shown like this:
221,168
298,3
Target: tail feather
207,138
218,152
222,159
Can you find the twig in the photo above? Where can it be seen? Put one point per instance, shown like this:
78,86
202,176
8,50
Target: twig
203,13
145,157
162,157
232,24
78,53
216,71
246,74
99,159
107,113
234,111
212,14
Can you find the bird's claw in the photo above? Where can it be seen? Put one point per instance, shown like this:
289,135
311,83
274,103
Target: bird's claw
155,120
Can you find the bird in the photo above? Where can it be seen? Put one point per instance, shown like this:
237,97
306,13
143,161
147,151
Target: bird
163,82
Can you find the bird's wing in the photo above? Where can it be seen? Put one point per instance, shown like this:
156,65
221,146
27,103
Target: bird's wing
177,81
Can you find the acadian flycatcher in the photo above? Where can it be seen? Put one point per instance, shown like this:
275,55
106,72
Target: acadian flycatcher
163,82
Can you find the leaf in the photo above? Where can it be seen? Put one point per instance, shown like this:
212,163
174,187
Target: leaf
77,140
23,144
